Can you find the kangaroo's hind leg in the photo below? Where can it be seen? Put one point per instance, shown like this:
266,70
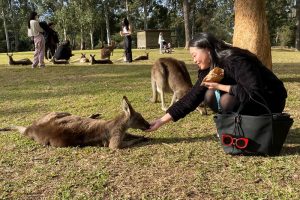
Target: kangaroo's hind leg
154,91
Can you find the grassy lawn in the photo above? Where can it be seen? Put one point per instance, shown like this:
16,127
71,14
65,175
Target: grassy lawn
182,160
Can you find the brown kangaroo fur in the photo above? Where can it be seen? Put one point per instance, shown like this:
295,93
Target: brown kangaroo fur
63,129
170,75
25,61
108,51
83,58
102,61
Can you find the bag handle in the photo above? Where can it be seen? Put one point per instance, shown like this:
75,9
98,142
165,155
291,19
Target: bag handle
264,104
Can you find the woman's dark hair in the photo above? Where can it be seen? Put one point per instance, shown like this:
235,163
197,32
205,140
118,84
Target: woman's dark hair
218,49
31,17
210,42
125,23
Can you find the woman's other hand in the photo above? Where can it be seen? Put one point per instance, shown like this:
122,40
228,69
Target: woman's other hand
217,86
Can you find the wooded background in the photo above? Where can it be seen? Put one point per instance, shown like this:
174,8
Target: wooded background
89,23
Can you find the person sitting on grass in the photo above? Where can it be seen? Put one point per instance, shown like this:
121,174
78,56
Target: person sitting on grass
64,51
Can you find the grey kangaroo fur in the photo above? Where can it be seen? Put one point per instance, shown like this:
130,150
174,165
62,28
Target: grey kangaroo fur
170,75
61,129
11,61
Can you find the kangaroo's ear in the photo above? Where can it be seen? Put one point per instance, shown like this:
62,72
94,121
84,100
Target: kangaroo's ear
126,106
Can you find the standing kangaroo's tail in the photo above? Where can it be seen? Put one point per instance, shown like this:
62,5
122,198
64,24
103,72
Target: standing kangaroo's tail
21,129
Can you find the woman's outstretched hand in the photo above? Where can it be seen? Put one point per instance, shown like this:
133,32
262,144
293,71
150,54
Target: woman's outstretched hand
155,125
159,122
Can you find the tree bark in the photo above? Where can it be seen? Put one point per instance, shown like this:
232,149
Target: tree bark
145,15
92,39
82,46
186,23
5,30
251,29
297,42
106,8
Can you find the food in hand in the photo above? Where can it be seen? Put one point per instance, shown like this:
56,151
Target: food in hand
214,75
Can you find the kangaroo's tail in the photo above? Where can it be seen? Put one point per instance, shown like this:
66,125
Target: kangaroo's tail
21,129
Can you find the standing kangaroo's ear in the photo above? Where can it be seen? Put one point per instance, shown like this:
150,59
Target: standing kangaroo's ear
126,106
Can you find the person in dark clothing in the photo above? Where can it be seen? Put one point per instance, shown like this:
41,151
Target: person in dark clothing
64,51
51,37
126,33
245,81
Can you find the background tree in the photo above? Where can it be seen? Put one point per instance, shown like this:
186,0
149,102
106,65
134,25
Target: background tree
251,29
186,18
84,20
297,45
3,16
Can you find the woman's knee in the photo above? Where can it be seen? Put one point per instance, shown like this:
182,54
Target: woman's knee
229,103
210,100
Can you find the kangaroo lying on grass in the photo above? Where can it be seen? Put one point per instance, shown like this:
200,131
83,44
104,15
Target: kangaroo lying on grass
83,58
64,129
102,61
11,61
171,75
145,57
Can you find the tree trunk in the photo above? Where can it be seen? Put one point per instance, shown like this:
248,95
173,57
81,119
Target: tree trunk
65,34
186,22
6,32
251,29
106,8
92,39
145,15
81,39
297,44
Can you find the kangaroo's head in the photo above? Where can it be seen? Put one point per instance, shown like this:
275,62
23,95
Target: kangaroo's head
9,55
136,120
92,57
82,55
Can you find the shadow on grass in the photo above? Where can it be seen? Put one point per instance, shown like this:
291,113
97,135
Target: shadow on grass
293,140
291,79
174,140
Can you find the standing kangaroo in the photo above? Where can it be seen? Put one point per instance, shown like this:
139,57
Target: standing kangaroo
107,51
63,129
170,75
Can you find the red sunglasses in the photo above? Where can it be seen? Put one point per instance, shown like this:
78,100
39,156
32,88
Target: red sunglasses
229,140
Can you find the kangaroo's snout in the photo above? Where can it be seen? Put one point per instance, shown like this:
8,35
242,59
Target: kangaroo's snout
146,126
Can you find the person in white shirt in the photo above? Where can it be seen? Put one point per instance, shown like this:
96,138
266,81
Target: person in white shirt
126,33
35,32
160,42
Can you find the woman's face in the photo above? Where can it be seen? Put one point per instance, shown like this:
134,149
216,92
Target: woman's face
201,57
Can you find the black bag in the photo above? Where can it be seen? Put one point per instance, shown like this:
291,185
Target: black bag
253,135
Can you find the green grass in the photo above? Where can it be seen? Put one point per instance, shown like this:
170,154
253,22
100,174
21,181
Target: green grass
183,160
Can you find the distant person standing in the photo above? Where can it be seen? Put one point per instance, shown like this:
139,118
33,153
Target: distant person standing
126,33
161,42
51,37
35,32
